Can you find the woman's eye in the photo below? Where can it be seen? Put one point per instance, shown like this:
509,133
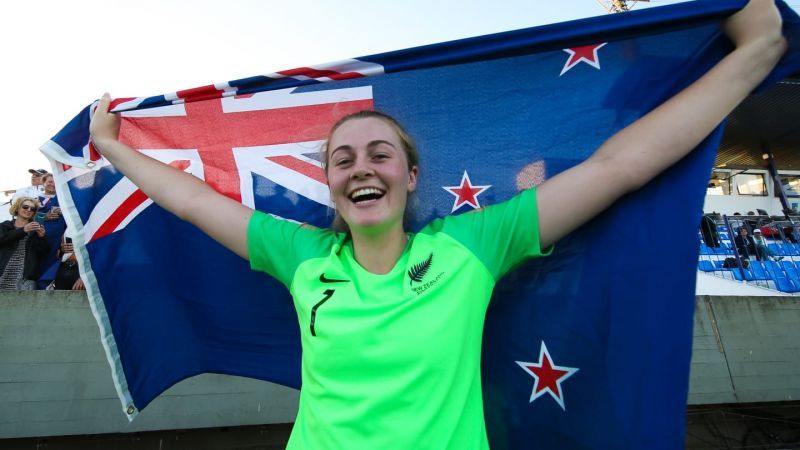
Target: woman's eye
342,162
381,156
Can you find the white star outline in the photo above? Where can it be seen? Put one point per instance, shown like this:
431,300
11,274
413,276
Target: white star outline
534,395
481,190
594,62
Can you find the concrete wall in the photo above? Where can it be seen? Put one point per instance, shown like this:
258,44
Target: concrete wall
729,204
54,378
746,349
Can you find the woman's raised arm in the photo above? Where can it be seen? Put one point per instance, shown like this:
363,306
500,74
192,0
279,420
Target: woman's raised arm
180,193
647,147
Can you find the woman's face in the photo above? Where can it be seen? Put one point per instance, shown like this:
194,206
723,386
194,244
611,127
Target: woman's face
368,175
26,210
49,185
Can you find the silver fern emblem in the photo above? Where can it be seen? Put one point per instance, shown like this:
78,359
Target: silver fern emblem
417,272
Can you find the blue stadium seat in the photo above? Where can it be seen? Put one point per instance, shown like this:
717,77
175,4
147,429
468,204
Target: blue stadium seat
777,249
758,271
794,250
706,266
787,265
719,263
724,236
774,270
737,274
705,250
793,275
786,285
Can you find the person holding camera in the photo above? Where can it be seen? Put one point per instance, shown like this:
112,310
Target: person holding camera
22,246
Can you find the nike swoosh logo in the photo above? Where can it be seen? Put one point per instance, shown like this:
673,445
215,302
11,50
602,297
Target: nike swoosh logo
325,279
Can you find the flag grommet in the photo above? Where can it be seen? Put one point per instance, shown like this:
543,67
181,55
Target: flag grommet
130,410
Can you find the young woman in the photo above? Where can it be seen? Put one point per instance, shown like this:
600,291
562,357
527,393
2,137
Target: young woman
22,247
391,322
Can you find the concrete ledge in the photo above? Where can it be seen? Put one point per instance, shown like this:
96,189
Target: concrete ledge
54,378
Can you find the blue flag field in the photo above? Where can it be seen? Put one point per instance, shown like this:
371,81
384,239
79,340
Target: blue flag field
587,348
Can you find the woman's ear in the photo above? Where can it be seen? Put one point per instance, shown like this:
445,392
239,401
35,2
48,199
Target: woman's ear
412,179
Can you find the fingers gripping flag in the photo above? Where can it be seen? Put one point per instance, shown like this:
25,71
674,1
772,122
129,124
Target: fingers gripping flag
588,348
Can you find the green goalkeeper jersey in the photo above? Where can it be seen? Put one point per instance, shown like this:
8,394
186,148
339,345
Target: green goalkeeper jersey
393,361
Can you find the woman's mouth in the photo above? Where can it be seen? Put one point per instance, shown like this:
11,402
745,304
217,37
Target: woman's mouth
364,195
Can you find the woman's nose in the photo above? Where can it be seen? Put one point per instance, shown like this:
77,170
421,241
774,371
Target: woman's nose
361,170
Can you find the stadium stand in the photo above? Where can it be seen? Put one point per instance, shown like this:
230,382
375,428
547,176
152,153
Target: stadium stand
782,276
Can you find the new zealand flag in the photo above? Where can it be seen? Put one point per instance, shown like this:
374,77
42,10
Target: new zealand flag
588,348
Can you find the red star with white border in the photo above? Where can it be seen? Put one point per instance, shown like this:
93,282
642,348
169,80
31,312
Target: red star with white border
586,53
466,193
547,376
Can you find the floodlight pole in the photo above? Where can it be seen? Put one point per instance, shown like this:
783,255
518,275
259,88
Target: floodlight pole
619,5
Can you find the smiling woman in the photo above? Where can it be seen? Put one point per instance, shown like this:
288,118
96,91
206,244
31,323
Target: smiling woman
370,175
391,321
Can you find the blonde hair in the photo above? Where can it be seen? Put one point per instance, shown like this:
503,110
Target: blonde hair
409,146
14,209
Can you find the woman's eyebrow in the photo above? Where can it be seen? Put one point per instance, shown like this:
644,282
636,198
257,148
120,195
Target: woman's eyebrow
377,142
370,144
344,147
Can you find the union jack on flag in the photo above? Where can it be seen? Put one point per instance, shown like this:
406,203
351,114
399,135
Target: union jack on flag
571,355
237,148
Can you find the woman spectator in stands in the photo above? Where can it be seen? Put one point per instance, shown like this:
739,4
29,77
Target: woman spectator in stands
54,227
22,246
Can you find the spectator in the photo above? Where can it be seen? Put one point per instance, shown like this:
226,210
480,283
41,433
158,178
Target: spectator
48,194
22,246
68,277
762,251
35,189
745,244
54,227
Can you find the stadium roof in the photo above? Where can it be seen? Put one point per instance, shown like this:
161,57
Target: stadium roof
771,117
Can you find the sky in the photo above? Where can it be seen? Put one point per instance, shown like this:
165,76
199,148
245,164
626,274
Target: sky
72,52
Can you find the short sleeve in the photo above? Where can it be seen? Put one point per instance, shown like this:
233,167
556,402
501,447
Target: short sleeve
278,246
501,235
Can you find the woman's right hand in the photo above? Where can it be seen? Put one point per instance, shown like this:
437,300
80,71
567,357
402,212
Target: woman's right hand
104,127
31,226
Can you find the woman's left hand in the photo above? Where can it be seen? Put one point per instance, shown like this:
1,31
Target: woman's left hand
758,21
39,230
